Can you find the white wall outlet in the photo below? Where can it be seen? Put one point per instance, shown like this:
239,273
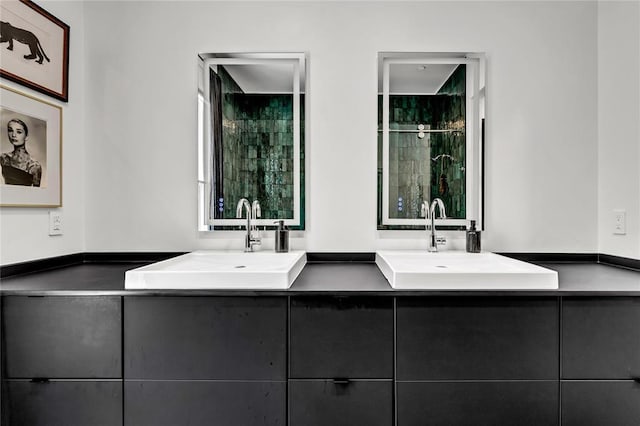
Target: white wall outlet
619,222
55,223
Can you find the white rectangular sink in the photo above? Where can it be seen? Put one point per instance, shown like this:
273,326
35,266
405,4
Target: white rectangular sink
421,270
220,270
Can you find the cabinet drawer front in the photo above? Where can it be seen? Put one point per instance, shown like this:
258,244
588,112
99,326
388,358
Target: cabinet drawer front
63,403
65,337
598,403
477,403
477,339
170,403
324,402
341,337
205,338
601,338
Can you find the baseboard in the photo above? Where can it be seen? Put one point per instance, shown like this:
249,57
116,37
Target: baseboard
623,262
40,265
554,257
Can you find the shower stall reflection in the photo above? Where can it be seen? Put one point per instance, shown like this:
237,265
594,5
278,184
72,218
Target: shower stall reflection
426,133
256,144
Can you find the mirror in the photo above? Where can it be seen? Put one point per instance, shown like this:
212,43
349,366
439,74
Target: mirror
431,112
251,115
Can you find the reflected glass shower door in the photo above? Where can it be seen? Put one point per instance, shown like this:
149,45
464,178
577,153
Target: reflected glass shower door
428,110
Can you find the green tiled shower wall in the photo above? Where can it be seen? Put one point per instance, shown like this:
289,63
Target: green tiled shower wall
434,166
258,151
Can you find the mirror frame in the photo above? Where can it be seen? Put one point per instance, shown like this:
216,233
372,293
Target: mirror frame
474,129
206,203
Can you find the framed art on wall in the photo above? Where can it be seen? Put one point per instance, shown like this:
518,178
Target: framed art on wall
34,48
30,151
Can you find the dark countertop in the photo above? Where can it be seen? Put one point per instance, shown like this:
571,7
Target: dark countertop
87,277
583,279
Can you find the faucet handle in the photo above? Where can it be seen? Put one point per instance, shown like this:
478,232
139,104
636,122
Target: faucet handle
424,209
440,204
255,209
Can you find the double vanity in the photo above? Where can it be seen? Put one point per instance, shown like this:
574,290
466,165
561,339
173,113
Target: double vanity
391,338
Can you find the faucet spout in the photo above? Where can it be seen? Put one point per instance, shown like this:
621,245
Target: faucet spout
429,212
243,202
424,211
252,212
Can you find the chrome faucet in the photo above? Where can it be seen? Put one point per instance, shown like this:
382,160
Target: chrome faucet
253,212
429,214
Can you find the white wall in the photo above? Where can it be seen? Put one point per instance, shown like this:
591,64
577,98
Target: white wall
141,85
619,125
24,232
132,119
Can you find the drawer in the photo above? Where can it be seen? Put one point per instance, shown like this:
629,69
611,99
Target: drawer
598,403
63,337
348,337
325,402
205,338
601,338
461,338
477,403
62,403
170,403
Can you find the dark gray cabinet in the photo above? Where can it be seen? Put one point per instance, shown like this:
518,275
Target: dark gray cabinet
205,338
600,402
320,360
62,360
601,338
600,359
340,403
63,403
62,337
344,337
477,361
205,360
170,403
341,361
477,338
492,403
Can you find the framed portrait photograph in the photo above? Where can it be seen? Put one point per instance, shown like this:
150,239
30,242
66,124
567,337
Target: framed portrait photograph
30,151
34,48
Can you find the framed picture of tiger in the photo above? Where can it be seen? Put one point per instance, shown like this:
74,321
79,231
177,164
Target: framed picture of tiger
34,48
30,151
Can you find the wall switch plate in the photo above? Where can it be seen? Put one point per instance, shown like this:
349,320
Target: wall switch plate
619,222
55,223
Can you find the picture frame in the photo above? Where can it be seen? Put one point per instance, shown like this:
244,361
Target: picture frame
30,151
34,48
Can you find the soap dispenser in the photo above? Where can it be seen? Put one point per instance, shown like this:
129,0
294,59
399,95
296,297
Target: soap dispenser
473,238
282,237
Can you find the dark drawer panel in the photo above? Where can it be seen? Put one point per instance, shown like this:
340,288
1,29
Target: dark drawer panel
205,338
341,337
598,403
170,403
477,338
64,337
323,402
601,338
478,403
56,403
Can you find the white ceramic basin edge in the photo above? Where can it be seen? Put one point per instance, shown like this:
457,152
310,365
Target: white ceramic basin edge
462,271
212,269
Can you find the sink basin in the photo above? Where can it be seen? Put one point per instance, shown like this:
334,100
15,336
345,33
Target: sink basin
220,270
462,271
